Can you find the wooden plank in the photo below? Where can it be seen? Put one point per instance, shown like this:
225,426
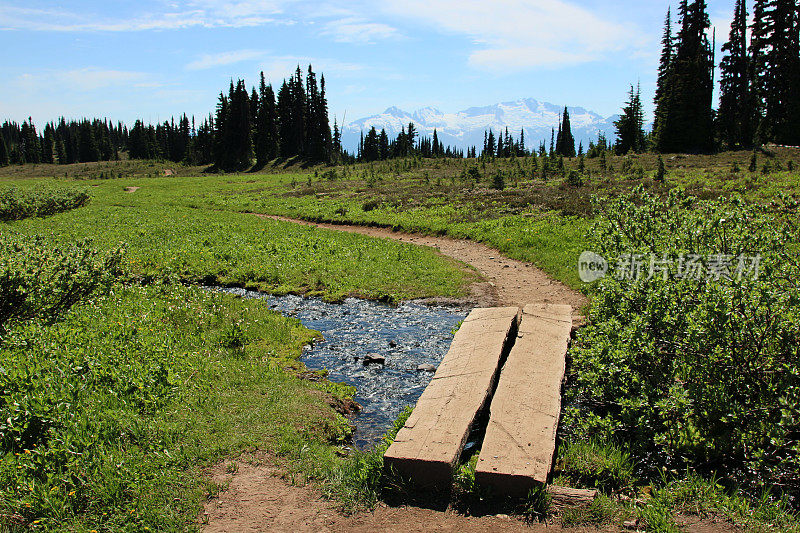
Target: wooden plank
427,448
517,451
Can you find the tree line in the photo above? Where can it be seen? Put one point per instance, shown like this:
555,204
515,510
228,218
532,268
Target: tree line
759,103
759,83
245,126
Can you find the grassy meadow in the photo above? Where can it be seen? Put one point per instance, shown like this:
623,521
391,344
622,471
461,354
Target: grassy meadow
122,381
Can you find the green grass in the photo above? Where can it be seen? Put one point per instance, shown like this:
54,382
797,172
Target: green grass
185,378
115,409
169,231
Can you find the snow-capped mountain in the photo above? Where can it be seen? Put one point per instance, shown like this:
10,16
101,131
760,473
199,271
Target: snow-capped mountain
466,128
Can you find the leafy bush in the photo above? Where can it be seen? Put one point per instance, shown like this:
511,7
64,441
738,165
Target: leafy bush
702,372
16,204
43,280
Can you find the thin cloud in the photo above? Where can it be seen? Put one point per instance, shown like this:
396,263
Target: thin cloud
180,15
86,79
521,33
358,30
208,61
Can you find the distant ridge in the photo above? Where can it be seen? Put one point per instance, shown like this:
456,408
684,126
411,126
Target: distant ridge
465,128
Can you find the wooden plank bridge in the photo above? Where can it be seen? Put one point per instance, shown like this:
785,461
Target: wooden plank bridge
510,362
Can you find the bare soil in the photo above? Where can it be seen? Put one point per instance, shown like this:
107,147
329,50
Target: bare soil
505,282
258,499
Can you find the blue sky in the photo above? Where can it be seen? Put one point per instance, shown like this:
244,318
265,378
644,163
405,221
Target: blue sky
152,59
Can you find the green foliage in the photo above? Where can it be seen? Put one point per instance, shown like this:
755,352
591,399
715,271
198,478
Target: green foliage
595,464
602,511
661,170
574,179
167,236
16,204
499,180
695,371
359,481
109,413
41,280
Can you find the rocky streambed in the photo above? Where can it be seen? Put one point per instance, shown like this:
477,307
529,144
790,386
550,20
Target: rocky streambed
387,352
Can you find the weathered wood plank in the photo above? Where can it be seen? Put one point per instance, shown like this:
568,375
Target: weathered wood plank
520,439
427,447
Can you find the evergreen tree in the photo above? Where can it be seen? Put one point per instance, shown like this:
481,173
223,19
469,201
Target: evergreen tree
566,142
4,160
88,150
775,51
266,137
664,70
630,126
48,144
284,109
685,119
736,107
489,149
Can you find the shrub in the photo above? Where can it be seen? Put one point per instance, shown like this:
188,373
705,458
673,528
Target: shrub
16,204
41,280
702,372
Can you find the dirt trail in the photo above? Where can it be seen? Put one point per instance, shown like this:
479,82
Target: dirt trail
507,281
257,498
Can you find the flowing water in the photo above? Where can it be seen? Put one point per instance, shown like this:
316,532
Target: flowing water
407,336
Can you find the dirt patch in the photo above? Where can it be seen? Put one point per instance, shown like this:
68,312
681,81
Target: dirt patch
131,189
258,499
506,281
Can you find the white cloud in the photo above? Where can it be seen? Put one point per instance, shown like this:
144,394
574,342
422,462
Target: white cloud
178,15
207,61
276,69
86,79
358,30
521,33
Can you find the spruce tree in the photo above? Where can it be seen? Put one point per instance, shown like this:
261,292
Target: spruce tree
736,107
266,136
88,150
775,51
3,152
685,118
664,70
630,126
566,142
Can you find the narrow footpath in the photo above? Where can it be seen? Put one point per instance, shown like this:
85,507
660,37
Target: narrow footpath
507,282
257,499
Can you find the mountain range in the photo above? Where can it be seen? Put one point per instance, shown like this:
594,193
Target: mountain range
466,128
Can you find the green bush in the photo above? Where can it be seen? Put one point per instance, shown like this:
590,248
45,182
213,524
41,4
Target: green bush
16,204
39,279
702,372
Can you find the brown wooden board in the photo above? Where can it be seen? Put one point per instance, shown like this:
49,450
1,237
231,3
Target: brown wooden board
427,448
517,451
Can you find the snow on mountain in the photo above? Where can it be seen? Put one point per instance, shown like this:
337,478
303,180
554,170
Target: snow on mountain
465,128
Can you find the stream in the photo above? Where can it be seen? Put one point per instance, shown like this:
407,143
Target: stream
407,336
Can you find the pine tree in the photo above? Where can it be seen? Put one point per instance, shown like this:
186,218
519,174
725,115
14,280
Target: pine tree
489,149
664,70
266,137
685,118
736,107
775,51
4,160
566,142
630,126
88,150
